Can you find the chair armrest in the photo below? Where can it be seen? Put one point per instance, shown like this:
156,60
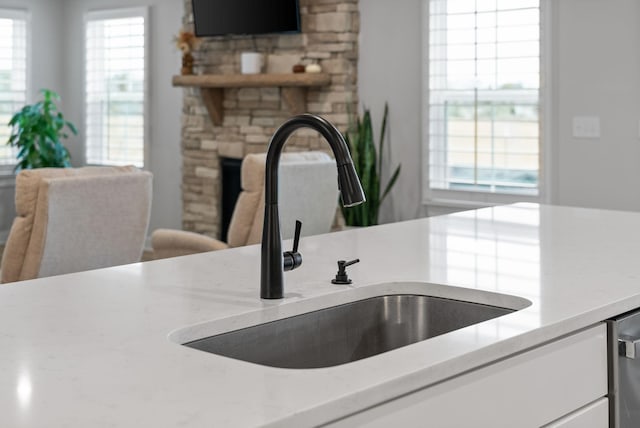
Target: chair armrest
173,243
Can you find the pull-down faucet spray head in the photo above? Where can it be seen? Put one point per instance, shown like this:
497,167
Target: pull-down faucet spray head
350,188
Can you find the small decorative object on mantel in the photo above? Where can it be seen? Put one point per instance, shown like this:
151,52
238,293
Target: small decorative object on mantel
313,68
187,42
298,68
251,62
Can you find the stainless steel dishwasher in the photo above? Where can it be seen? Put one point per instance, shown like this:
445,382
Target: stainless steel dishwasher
624,370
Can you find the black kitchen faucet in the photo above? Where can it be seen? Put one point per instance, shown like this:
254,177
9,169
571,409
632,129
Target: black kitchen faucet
274,262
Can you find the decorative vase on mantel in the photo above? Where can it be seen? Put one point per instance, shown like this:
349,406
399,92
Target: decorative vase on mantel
187,64
186,41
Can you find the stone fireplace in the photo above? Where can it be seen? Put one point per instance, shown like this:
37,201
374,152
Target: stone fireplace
329,38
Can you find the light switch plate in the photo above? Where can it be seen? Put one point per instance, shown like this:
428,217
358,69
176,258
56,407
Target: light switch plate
586,127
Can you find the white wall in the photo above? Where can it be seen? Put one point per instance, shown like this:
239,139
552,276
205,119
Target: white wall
165,19
390,71
597,72
595,59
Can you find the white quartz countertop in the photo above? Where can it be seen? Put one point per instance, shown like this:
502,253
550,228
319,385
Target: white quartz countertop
99,348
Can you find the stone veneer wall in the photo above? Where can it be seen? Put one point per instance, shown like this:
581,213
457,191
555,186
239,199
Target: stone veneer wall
329,37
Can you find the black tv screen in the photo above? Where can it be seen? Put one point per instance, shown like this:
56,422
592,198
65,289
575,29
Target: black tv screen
221,17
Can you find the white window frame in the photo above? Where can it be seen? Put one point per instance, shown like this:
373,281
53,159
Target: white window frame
464,199
7,171
106,14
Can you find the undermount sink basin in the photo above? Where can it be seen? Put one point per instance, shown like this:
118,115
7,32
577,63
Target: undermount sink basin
348,332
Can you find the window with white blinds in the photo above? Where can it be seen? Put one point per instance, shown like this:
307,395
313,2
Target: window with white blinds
484,96
115,87
13,74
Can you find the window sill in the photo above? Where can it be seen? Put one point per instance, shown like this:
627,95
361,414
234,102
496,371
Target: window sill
458,203
447,200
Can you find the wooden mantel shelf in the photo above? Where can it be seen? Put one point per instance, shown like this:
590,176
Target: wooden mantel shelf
294,88
253,80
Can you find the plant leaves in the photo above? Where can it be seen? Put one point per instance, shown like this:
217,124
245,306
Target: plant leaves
37,130
368,161
72,127
383,132
390,184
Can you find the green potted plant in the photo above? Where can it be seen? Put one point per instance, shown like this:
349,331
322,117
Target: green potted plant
36,132
368,161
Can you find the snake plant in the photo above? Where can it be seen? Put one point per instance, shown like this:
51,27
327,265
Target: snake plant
368,161
37,130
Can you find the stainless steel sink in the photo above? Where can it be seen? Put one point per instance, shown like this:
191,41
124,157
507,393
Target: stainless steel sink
349,332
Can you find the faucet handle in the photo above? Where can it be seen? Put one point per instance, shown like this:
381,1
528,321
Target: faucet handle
293,259
296,236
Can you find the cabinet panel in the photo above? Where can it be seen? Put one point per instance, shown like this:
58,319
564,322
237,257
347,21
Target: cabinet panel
528,390
595,415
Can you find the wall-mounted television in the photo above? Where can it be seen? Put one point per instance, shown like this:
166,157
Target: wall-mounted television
225,17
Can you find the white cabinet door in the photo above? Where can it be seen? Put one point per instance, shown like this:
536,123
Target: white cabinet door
531,389
595,415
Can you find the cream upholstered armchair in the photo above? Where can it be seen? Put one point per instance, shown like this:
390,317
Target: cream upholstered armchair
308,192
75,219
